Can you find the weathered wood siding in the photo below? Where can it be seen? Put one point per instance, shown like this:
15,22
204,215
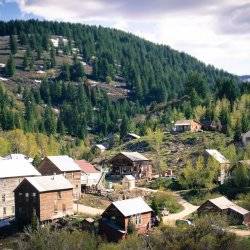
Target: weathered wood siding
48,168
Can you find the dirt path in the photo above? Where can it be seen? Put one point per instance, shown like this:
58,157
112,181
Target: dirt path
239,232
188,209
87,210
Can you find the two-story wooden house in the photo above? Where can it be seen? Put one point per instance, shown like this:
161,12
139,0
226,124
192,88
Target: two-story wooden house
12,172
115,221
66,166
47,197
131,163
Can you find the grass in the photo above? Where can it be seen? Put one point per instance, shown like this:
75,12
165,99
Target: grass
198,197
166,200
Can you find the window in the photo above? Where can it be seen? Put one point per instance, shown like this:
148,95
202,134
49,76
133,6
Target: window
55,207
27,197
3,197
4,210
20,194
33,194
64,208
137,219
59,195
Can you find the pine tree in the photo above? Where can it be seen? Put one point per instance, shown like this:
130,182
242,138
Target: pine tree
10,66
13,45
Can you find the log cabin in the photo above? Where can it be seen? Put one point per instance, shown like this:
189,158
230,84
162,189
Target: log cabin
47,197
186,125
224,206
12,172
66,166
131,163
115,221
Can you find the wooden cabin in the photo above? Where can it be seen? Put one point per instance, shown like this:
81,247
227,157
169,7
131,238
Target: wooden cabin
186,125
224,206
66,166
131,163
115,221
47,197
12,172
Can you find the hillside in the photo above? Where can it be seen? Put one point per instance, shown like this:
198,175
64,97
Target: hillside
62,78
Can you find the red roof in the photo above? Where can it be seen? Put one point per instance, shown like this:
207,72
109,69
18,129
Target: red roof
86,167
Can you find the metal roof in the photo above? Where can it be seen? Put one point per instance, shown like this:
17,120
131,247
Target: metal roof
17,168
223,203
217,156
134,135
100,146
18,157
132,206
49,183
86,166
183,123
135,156
64,163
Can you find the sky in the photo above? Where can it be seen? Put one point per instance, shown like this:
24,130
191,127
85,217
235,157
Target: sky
216,32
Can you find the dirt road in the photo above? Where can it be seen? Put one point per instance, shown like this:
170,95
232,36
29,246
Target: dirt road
188,209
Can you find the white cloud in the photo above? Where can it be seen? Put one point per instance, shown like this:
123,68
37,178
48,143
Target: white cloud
216,32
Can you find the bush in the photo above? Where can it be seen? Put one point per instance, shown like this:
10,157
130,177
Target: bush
243,200
165,200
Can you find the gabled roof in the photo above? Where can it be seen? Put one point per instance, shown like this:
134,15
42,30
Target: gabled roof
86,167
217,156
246,134
184,122
18,157
129,177
17,168
134,135
223,203
64,163
49,183
134,156
132,206
101,147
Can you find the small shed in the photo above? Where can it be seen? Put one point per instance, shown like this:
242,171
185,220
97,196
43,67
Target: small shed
246,138
186,125
131,136
128,182
101,148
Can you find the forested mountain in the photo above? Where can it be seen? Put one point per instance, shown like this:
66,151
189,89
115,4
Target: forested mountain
73,56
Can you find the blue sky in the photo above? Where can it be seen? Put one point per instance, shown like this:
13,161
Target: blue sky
215,31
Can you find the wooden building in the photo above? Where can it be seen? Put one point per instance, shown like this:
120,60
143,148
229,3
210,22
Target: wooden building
186,125
131,163
246,139
115,221
128,182
224,163
65,165
12,172
224,206
89,174
131,137
49,197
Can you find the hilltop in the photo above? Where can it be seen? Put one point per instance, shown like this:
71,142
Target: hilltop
80,80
